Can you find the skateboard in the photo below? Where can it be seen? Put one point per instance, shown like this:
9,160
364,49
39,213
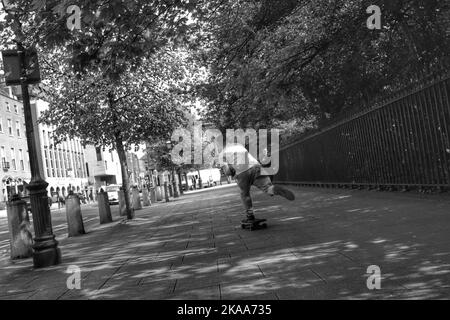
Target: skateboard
254,225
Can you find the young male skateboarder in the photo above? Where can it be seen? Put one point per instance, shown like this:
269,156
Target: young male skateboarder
247,172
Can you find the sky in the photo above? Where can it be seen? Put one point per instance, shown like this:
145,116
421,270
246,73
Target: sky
2,14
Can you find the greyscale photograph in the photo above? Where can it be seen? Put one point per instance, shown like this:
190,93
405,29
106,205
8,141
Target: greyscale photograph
216,150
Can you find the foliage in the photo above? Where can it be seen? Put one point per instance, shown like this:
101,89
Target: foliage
273,61
143,103
113,33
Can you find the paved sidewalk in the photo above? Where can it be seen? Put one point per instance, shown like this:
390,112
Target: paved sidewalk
317,247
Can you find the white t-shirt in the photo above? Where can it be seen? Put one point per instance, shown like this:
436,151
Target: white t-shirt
238,157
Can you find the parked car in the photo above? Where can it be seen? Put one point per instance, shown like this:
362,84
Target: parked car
113,193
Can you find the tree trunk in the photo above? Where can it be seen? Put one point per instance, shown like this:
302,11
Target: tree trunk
125,179
122,158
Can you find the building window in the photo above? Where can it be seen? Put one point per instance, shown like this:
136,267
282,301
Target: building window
51,163
18,128
58,173
112,156
61,163
87,169
75,164
1,124
13,159
2,155
98,151
83,160
68,166
22,166
10,130
16,110
106,165
80,166
8,107
47,163
44,138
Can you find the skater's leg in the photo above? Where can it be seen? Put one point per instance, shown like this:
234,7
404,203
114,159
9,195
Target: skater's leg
244,183
265,184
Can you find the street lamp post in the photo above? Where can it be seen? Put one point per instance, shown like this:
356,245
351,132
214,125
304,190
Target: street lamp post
45,248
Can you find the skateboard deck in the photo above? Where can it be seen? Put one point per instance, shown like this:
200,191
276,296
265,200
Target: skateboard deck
254,225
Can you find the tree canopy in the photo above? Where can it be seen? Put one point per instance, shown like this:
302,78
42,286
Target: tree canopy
278,62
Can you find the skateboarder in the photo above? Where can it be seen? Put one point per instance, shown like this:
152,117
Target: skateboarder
247,172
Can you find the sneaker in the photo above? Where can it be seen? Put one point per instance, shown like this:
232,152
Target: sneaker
279,190
250,219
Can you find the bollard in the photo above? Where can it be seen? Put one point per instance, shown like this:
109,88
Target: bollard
73,213
104,210
145,198
21,239
169,185
122,205
166,191
158,193
152,195
136,199
175,190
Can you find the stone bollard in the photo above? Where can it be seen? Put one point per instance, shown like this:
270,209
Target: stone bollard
73,214
180,187
136,199
169,185
145,198
153,195
122,205
158,193
166,191
104,210
21,239
175,190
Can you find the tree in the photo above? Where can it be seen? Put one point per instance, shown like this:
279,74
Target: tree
143,104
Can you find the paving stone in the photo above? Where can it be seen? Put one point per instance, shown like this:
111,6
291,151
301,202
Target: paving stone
207,293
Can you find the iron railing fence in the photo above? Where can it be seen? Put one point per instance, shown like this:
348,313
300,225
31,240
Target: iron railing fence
402,142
